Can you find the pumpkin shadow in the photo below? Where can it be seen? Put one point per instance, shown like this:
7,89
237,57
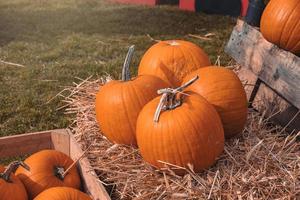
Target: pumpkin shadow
169,74
30,183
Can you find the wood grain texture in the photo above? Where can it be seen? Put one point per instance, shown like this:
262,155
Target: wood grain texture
91,184
23,144
269,103
248,79
277,68
61,141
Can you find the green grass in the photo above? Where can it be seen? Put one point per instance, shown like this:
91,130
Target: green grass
60,40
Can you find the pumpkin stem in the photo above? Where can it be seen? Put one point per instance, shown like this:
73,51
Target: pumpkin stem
168,100
125,70
60,172
11,168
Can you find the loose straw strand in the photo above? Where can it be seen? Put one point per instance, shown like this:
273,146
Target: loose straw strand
76,161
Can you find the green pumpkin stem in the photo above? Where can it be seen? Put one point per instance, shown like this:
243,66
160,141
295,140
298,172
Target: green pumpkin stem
125,70
168,100
11,168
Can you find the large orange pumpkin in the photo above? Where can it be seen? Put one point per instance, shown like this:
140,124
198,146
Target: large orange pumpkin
280,24
187,131
172,60
118,104
47,169
11,188
62,193
223,89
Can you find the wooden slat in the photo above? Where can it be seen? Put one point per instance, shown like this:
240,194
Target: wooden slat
268,102
91,184
277,68
23,144
61,140
248,78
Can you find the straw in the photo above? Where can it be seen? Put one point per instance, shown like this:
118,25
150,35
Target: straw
261,163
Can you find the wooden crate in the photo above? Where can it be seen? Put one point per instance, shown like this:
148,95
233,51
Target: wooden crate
60,140
272,75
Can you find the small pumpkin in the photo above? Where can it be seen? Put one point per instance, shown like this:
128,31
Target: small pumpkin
172,60
223,89
62,193
119,102
280,24
47,169
11,188
180,130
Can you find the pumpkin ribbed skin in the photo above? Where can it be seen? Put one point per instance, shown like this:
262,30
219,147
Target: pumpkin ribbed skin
118,104
280,24
62,193
172,60
42,172
13,190
223,89
191,133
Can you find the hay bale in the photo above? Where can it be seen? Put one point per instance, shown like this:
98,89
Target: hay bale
261,163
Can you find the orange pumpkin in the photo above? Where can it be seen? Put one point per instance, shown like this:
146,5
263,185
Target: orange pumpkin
62,193
172,60
47,169
118,104
187,131
223,89
280,24
11,188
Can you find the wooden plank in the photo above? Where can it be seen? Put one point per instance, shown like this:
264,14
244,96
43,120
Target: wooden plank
277,109
23,144
248,79
268,102
91,183
61,140
277,68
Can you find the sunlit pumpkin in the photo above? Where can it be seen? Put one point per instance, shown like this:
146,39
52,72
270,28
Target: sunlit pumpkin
223,89
187,130
62,193
119,102
280,24
11,188
47,169
172,60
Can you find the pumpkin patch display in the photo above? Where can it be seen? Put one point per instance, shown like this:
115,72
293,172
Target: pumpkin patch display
119,102
180,130
11,188
62,193
223,89
280,24
172,60
48,169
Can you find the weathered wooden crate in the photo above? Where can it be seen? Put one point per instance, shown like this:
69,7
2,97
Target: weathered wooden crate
272,75
61,140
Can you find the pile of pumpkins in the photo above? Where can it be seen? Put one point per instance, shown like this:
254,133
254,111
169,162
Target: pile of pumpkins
280,24
45,175
174,119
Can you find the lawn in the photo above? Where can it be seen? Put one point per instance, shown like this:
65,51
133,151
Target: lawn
60,40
